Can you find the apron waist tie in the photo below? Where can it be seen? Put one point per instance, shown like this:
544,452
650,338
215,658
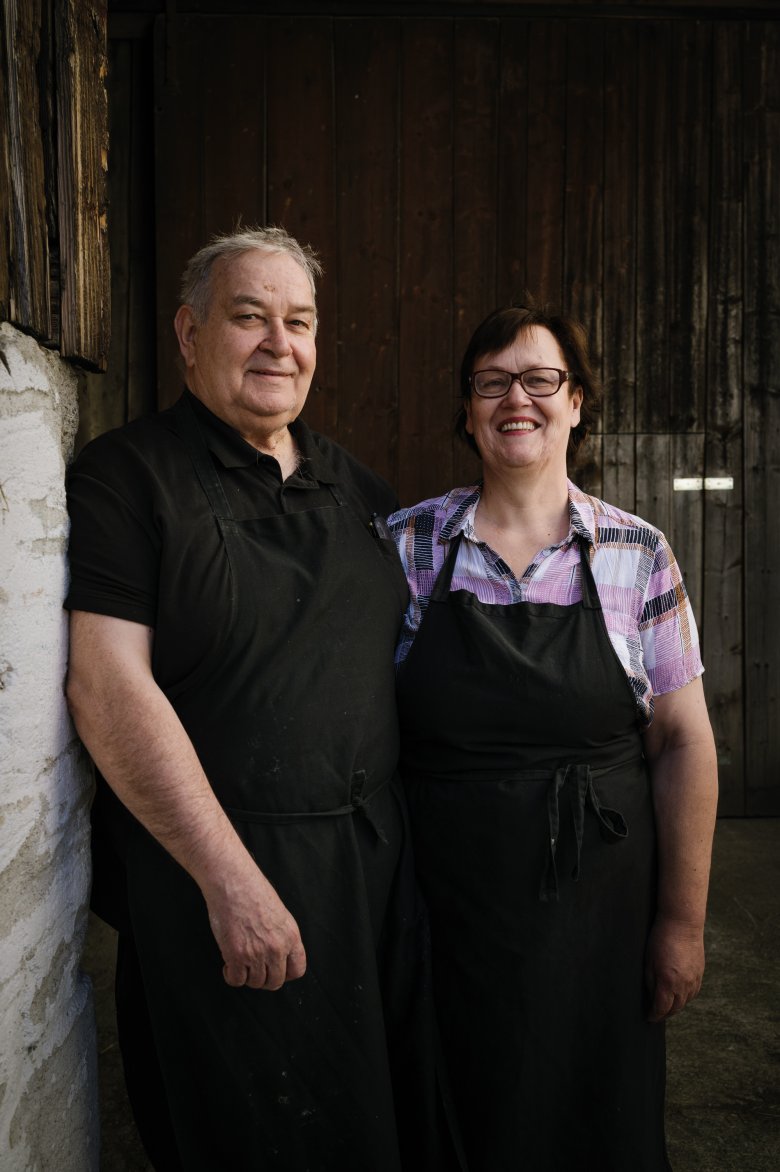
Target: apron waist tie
578,781
359,803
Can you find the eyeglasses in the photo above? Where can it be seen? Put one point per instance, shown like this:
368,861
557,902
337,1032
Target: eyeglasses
538,381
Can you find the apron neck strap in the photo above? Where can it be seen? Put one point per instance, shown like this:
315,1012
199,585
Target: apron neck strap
590,595
202,461
441,587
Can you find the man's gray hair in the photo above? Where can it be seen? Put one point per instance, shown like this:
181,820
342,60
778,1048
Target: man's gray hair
196,278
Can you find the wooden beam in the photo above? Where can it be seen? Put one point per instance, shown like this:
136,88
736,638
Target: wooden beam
82,120
24,284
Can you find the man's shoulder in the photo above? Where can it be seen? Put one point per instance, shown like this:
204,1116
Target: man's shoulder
141,441
353,475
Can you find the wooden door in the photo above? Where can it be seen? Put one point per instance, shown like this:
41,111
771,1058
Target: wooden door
627,169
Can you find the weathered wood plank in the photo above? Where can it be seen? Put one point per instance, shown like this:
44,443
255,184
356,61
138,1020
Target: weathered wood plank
653,186
25,228
722,614
478,156
82,158
686,528
691,57
620,240
583,270
425,262
762,416
179,189
233,111
546,157
513,170
653,480
141,300
619,469
301,182
367,64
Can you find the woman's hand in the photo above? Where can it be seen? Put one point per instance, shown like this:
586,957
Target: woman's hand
674,966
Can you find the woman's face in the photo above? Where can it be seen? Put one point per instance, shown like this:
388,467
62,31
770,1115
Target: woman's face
519,431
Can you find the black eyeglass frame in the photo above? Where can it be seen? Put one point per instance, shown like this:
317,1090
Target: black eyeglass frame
517,376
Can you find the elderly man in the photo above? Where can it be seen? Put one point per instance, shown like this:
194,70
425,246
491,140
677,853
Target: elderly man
234,606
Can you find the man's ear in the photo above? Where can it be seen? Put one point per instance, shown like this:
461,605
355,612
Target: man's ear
186,330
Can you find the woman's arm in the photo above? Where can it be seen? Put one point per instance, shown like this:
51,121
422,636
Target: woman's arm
680,748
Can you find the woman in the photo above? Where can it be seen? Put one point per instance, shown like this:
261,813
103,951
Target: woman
561,772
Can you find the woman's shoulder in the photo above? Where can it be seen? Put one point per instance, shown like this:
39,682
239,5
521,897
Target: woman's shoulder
435,511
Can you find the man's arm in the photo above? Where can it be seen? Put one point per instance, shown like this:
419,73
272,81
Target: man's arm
139,745
681,751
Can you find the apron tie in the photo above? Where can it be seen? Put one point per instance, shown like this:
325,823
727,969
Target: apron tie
577,779
359,803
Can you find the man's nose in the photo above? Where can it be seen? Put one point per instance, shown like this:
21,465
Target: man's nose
275,337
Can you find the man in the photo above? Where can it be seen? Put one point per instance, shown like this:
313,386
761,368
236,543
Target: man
234,606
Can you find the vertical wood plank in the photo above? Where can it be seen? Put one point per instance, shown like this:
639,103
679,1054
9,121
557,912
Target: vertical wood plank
686,528
103,397
477,211
653,480
513,164
141,301
620,209
82,163
233,111
301,184
367,62
653,211
25,296
583,258
691,57
619,469
180,66
722,614
128,387
762,416
546,158
426,278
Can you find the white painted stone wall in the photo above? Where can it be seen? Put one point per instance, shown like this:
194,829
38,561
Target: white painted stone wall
48,1074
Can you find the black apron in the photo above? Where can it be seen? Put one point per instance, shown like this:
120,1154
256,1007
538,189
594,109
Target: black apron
534,841
292,714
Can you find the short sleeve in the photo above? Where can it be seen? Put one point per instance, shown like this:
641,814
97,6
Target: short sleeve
667,628
114,550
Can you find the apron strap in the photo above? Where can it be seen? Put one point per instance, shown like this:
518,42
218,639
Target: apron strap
359,803
441,586
202,461
577,780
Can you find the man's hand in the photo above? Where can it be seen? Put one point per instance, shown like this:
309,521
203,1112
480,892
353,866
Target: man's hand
674,966
258,938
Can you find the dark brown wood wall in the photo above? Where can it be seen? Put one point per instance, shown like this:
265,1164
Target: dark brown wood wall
627,169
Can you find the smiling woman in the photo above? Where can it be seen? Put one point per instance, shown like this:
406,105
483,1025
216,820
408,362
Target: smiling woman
562,831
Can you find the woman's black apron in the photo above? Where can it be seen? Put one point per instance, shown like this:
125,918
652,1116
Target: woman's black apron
534,841
292,714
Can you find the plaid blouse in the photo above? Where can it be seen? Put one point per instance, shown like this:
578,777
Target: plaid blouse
646,608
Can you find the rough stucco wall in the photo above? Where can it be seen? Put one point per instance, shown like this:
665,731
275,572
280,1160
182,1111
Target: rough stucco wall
48,1078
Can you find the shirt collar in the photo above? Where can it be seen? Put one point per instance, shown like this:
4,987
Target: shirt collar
233,451
582,516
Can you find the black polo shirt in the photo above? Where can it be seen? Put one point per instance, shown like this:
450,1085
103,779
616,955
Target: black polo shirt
142,533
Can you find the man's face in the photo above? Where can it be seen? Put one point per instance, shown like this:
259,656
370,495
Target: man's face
252,360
